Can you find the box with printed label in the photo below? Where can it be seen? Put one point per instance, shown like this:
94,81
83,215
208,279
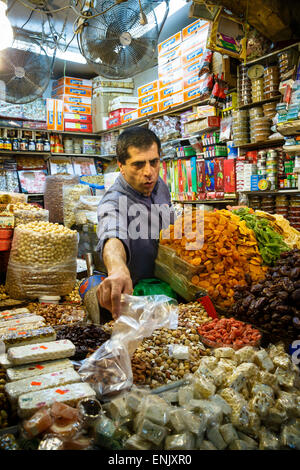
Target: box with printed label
77,108
205,111
200,167
119,112
113,122
148,99
191,69
209,176
169,43
195,28
128,117
50,106
7,221
148,88
73,91
72,81
78,127
219,173
69,99
192,55
170,90
145,110
55,114
170,55
59,115
173,77
74,117
191,93
192,81
229,176
173,100
168,68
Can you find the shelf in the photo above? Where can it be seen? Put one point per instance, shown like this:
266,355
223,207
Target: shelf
267,143
34,194
25,152
106,157
279,191
207,201
90,134
260,103
292,148
272,54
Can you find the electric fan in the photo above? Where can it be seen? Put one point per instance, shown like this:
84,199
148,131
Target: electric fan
122,41
25,71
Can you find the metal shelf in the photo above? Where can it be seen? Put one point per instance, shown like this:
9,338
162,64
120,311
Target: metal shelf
94,155
260,103
207,201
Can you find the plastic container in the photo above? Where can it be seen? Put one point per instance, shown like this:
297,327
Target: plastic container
49,299
256,112
240,114
261,136
5,245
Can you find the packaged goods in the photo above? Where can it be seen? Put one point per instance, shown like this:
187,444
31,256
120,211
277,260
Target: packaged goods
23,216
23,372
42,260
29,403
71,196
41,382
41,352
54,195
20,328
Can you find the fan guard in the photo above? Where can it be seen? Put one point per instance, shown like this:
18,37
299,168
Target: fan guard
116,44
24,73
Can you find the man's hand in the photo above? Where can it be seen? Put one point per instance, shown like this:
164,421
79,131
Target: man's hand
110,290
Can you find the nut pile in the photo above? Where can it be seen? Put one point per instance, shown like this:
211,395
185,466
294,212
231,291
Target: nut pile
74,296
53,195
273,304
30,214
70,199
86,338
3,294
152,364
58,314
4,403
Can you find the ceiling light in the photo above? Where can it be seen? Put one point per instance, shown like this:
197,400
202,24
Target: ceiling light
5,27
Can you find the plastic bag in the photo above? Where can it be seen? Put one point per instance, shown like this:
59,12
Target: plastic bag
108,370
71,196
23,216
53,196
153,287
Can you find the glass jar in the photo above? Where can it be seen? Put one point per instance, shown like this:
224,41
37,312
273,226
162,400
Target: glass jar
46,145
24,144
39,145
31,145
15,144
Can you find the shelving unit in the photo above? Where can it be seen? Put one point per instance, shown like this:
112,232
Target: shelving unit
259,145
206,201
279,191
89,155
260,103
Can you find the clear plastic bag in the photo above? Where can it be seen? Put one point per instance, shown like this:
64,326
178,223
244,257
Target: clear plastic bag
71,196
53,196
108,370
23,216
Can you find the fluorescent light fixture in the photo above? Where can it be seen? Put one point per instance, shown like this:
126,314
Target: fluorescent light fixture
5,27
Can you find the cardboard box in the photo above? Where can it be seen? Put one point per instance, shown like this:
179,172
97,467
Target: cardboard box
174,100
219,173
148,99
170,55
60,164
146,110
128,117
201,124
191,93
170,90
55,114
78,127
169,68
73,91
74,117
99,122
72,81
147,88
171,78
191,69
69,99
119,112
50,108
113,122
195,53
229,176
209,176
78,109
59,115
200,168
169,43
206,111
192,81
196,28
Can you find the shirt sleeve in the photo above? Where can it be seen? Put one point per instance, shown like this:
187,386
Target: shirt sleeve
112,224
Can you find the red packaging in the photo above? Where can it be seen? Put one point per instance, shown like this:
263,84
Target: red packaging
219,174
180,177
113,122
74,117
211,195
117,113
229,176
200,165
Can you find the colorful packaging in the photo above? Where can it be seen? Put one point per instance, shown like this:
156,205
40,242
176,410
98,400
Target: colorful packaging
229,176
148,88
50,105
69,99
171,78
196,28
169,43
145,110
170,90
191,81
191,94
78,109
169,68
73,91
174,100
74,117
192,55
72,81
113,122
191,69
128,117
209,176
200,167
119,112
219,174
148,99
170,55
78,127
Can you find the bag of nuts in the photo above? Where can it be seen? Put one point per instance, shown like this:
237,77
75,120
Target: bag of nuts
42,261
71,196
53,196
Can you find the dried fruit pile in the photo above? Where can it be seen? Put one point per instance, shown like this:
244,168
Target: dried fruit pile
227,258
273,304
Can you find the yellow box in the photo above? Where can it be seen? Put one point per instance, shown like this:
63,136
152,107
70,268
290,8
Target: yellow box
146,110
191,94
148,88
169,43
170,78
192,81
191,69
148,99
195,28
128,117
192,55
75,99
170,90
59,115
50,106
174,100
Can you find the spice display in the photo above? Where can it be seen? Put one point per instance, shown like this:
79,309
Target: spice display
171,354
229,332
235,400
86,338
229,253
42,260
273,303
59,314
270,243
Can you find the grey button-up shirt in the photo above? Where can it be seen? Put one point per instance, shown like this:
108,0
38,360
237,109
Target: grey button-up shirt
136,220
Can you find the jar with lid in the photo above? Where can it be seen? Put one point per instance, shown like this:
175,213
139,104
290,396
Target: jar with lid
1,143
31,145
15,144
24,144
46,145
7,144
39,145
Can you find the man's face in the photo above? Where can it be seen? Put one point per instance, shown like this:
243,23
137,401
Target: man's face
141,170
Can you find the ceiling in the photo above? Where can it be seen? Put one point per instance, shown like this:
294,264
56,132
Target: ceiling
23,18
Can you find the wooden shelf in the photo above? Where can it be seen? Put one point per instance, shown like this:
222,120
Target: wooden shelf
266,57
25,152
292,148
207,201
278,192
260,103
258,145
88,155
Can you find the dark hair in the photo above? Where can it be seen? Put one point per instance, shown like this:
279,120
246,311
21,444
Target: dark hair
137,137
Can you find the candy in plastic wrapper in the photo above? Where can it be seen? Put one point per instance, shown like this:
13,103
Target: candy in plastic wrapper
268,379
38,423
177,420
152,432
216,438
286,379
133,400
170,397
276,350
156,410
290,435
282,360
136,442
21,338
31,370
210,410
239,445
228,433
118,410
236,381
263,389
185,394
262,359
240,413
245,354
204,371
228,353
268,440
203,388
184,441
248,369
108,435
261,403
51,443
179,352
227,364
219,401
195,422
275,418
219,376
287,402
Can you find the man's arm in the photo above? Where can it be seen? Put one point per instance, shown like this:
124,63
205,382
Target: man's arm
118,281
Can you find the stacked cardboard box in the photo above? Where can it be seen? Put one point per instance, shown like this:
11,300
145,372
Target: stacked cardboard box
76,96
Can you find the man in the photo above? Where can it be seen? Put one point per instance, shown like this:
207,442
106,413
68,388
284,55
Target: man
130,217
